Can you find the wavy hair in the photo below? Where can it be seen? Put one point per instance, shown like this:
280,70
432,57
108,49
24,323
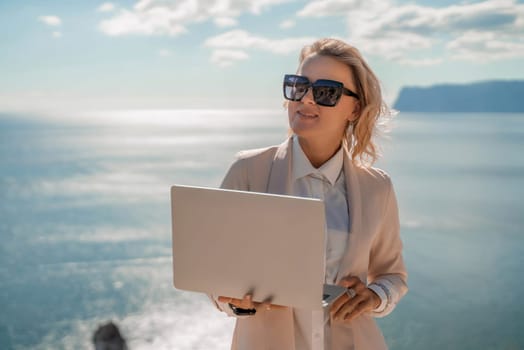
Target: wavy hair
372,111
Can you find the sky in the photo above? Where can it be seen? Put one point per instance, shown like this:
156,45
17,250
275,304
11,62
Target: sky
166,54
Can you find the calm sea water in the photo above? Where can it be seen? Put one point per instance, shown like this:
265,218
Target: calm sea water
85,226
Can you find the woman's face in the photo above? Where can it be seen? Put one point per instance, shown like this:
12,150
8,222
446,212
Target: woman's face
311,121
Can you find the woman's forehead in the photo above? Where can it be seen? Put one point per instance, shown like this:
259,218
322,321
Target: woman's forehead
316,67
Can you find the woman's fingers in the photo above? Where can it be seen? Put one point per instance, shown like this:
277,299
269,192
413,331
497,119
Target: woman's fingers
269,306
229,300
224,299
347,308
357,311
337,304
245,303
248,303
350,282
358,300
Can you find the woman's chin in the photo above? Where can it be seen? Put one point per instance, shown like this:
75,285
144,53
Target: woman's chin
304,124
303,132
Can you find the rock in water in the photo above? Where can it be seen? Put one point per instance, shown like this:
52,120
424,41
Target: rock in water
108,337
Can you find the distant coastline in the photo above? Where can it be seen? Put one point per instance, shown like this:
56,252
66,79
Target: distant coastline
487,96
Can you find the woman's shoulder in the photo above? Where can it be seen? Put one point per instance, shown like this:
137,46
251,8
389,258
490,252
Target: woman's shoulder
250,169
257,154
254,158
377,173
253,154
373,176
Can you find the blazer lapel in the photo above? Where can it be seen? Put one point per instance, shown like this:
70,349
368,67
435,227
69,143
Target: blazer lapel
280,177
354,197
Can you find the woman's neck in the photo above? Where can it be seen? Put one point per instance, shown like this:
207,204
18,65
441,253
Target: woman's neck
318,151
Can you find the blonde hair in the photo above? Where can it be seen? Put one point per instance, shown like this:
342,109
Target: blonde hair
372,111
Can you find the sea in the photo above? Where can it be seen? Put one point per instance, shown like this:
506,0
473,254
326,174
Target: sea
85,227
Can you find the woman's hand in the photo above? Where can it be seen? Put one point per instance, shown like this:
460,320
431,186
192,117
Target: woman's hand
359,299
248,303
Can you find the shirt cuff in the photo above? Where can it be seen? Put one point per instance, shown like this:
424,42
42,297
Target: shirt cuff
379,290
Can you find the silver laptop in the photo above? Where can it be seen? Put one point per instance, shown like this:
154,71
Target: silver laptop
229,243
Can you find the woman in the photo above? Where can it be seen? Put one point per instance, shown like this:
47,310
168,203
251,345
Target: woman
334,104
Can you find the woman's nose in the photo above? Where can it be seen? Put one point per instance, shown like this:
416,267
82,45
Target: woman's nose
308,97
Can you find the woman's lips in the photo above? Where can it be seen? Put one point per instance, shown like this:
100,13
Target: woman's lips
307,115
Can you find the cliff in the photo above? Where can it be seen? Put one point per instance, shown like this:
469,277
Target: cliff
488,96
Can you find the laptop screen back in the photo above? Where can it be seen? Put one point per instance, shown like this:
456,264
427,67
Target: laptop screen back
231,243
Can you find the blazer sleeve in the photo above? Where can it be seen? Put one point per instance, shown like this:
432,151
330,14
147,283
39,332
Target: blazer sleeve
237,176
386,264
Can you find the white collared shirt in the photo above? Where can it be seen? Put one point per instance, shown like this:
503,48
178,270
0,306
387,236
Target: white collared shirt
327,183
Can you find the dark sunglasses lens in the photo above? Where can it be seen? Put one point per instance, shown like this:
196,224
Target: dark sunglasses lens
295,87
326,94
295,92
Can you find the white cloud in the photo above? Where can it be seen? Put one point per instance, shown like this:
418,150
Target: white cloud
487,15
485,46
237,7
53,21
232,46
157,22
57,34
241,39
225,58
326,8
387,29
289,23
106,7
392,45
170,17
225,22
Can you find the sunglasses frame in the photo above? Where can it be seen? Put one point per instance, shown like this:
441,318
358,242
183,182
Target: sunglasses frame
319,83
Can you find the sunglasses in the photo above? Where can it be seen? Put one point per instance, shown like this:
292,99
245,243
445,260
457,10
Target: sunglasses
325,92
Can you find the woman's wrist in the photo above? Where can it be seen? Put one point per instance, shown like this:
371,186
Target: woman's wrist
376,299
380,291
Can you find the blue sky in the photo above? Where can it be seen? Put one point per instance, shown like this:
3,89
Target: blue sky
159,54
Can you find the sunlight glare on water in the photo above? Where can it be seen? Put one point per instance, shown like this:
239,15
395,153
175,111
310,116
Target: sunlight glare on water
85,225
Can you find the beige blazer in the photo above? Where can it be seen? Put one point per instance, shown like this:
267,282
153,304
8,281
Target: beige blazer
374,251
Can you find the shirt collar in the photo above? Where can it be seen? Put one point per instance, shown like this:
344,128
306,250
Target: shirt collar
302,166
